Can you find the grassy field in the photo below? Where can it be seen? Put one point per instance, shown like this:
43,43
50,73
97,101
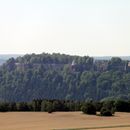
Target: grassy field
62,121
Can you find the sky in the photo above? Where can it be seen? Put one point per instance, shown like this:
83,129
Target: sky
76,27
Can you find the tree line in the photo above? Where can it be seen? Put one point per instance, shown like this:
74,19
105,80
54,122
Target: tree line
106,107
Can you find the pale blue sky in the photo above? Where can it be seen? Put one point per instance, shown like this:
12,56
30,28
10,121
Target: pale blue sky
81,27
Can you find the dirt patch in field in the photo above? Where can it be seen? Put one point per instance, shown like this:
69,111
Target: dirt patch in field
59,120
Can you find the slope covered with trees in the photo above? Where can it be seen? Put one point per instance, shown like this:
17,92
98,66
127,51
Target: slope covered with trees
59,76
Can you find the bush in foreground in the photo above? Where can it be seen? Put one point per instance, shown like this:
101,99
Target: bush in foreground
88,108
105,112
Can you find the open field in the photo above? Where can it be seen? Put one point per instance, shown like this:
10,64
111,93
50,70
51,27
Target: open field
61,120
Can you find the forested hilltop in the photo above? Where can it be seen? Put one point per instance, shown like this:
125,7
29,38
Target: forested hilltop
60,76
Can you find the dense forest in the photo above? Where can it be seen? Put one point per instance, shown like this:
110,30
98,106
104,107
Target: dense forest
64,77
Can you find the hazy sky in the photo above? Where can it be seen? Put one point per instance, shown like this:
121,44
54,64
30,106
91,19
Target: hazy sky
81,27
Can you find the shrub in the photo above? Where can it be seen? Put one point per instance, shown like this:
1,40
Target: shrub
50,108
4,107
108,108
122,106
105,112
89,108
22,106
47,106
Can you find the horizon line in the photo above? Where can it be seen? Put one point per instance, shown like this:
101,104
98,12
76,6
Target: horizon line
22,54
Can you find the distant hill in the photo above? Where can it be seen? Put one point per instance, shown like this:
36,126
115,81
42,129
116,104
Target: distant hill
60,76
5,57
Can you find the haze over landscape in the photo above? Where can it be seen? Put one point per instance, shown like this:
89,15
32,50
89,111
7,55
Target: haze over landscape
79,27
64,64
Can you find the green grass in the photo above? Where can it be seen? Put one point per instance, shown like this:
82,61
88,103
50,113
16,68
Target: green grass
96,128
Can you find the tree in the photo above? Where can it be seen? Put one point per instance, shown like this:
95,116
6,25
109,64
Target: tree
50,107
122,106
88,108
4,107
105,112
22,106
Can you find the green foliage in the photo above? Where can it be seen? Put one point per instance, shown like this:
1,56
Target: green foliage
98,105
50,108
36,105
4,107
22,106
122,106
88,108
106,108
105,112
46,76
